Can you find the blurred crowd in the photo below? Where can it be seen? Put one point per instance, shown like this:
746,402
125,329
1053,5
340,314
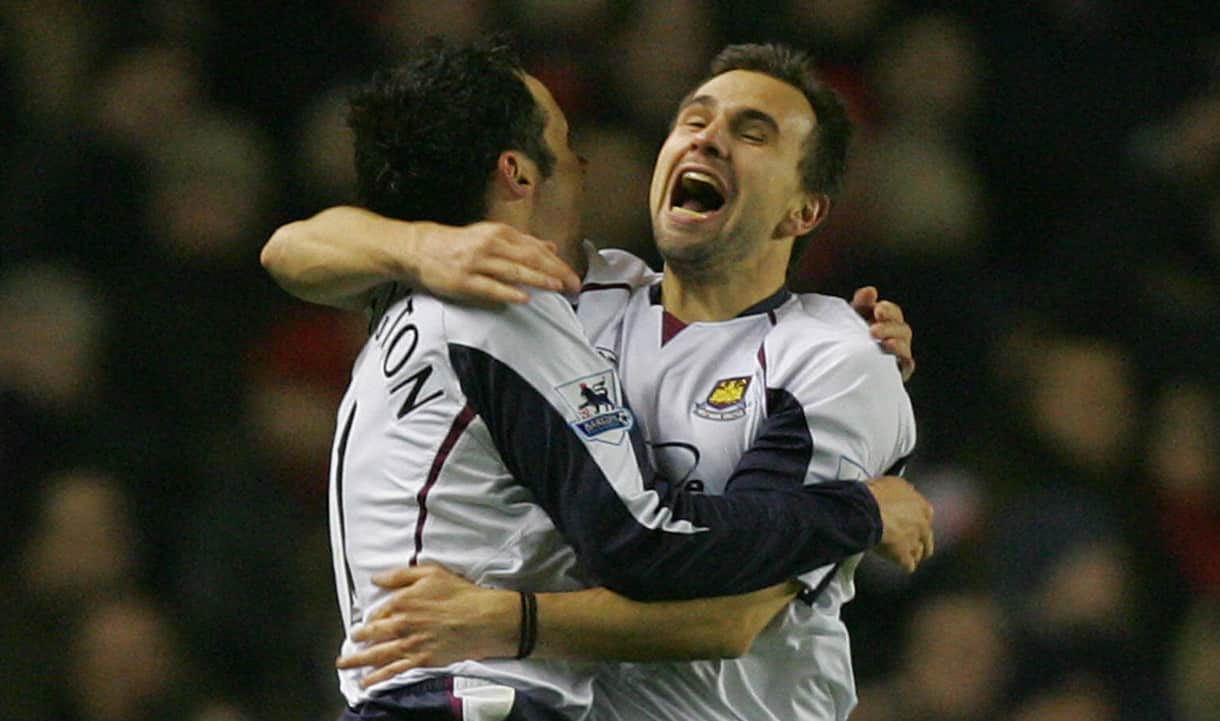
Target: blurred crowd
1037,183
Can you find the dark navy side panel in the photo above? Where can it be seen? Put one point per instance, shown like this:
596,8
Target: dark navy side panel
781,455
759,533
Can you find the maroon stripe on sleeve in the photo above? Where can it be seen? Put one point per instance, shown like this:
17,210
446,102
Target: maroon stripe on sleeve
462,420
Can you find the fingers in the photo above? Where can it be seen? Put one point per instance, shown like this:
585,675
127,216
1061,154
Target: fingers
487,292
895,335
391,670
383,629
929,536
386,659
376,655
511,271
907,367
400,577
864,300
888,311
525,259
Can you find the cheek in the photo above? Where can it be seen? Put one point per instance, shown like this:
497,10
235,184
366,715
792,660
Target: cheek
665,160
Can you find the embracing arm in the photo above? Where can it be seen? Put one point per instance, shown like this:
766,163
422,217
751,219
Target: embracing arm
435,618
339,256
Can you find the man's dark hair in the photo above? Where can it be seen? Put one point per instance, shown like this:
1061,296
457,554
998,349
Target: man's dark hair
824,156
429,131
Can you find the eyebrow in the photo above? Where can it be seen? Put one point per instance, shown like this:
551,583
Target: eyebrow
749,114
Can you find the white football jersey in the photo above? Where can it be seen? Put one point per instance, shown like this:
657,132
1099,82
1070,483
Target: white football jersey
793,386
497,443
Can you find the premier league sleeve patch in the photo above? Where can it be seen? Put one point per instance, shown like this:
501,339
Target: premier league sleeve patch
597,404
726,401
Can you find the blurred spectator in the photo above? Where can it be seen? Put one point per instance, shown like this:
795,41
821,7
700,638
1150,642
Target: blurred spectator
81,550
1082,403
145,94
83,547
1080,698
1184,441
196,293
933,682
51,52
677,36
57,406
1195,664
127,665
404,23
322,162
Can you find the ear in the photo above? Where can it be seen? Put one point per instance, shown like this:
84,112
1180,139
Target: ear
802,219
516,175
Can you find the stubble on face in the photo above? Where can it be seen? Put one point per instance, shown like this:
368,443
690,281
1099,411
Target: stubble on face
748,130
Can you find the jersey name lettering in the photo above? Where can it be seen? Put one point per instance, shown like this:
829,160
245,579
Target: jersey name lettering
398,345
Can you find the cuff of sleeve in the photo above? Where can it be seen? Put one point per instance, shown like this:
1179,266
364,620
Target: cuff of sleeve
868,526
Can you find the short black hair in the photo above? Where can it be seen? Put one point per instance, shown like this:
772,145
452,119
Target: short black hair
824,156
428,132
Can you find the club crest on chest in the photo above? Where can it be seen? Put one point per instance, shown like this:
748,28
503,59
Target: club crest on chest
726,401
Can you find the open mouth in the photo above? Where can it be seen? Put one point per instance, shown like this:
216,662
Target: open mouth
696,195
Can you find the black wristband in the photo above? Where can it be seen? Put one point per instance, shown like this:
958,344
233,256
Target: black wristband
529,624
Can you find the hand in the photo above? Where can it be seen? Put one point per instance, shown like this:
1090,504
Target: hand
484,263
887,325
434,618
906,522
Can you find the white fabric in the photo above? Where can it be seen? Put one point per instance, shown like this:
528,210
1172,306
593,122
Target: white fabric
859,416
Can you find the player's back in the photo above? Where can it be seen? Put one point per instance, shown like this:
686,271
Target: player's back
416,479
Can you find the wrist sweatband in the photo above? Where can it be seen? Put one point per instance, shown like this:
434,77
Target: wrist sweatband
529,624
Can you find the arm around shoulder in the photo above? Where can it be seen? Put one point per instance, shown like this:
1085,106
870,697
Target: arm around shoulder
339,256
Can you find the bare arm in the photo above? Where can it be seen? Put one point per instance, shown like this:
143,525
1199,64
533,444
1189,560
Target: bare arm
601,624
435,618
339,256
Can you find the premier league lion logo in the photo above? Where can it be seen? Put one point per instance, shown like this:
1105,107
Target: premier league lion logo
596,398
596,403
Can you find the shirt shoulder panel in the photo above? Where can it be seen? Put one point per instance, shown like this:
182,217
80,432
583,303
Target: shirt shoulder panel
857,408
612,266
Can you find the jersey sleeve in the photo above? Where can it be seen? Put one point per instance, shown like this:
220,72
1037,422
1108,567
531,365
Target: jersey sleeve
554,410
833,415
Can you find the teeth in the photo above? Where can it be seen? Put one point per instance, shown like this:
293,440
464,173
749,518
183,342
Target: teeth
701,177
688,212
697,177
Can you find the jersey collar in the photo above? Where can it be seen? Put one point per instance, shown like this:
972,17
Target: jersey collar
766,305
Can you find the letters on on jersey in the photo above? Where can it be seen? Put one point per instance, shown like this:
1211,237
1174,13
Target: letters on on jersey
598,404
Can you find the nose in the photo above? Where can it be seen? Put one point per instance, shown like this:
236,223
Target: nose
710,139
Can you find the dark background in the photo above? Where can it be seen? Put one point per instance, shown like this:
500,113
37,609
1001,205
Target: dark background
1037,183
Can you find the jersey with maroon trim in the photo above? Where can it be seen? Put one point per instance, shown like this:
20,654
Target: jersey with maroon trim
799,379
497,443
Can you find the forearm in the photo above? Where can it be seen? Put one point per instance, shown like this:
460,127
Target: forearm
339,256
600,624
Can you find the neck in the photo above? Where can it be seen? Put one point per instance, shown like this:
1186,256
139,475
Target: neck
573,253
517,215
716,294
